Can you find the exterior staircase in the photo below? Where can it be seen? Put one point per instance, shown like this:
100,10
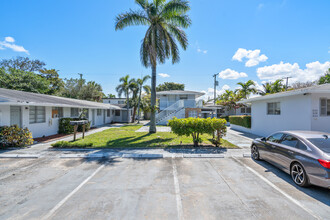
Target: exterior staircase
175,110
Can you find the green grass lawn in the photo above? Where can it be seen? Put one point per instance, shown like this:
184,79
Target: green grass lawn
125,137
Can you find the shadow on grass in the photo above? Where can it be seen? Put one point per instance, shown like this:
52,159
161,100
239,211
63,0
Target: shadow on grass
130,142
318,193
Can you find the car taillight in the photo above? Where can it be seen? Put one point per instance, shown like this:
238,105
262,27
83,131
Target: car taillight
324,163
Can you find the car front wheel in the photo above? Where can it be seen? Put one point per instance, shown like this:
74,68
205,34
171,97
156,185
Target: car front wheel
255,152
299,175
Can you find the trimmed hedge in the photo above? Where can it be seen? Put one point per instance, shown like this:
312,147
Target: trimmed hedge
197,126
65,127
241,120
13,136
225,117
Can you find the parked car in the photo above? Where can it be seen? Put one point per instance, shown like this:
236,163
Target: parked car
305,155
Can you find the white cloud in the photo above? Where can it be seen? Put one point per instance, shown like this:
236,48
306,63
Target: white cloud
164,75
10,39
201,51
312,71
9,43
209,94
231,74
253,56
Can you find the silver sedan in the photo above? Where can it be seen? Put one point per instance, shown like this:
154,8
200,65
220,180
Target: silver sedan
305,155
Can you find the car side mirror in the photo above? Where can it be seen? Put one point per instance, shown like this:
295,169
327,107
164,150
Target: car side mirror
263,139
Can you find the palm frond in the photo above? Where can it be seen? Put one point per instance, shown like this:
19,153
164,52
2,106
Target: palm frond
175,7
131,18
179,35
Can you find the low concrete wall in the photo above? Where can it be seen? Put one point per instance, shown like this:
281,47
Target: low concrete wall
240,128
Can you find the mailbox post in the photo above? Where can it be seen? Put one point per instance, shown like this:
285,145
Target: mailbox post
75,127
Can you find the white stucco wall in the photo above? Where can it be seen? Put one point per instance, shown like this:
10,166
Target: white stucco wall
295,115
50,126
319,123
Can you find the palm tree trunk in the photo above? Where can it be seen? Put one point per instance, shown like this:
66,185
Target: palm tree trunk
139,104
152,128
127,106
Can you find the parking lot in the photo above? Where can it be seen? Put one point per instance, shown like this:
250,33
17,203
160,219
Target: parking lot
167,188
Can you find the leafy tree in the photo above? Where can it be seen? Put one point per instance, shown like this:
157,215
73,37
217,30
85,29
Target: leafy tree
23,80
110,96
22,63
246,89
300,85
229,99
79,89
125,87
168,86
165,21
91,91
325,79
56,83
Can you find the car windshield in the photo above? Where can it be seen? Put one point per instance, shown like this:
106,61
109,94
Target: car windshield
322,143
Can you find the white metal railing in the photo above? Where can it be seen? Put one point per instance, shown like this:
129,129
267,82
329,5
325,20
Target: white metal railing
177,105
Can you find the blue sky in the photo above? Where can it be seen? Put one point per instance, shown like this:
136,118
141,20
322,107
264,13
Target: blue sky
79,37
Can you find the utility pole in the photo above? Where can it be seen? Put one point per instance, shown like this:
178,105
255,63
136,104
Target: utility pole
287,82
215,87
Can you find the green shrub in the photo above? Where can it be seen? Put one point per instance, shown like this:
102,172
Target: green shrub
196,126
241,120
65,127
67,144
225,117
13,136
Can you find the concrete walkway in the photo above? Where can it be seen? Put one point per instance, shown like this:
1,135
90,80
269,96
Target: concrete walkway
239,138
158,128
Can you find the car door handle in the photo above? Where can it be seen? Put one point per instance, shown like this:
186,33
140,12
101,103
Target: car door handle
290,152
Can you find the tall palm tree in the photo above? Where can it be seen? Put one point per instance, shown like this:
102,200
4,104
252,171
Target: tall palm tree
125,87
165,21
146,88
246,88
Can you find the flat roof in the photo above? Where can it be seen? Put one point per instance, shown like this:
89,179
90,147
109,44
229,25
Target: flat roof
180,92
15,97
325,88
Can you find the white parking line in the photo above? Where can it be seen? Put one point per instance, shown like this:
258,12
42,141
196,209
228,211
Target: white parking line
177,191
51,212
279,190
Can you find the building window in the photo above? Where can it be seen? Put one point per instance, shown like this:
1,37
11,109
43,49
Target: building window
246,110
85,113
74,112
108,113
57,112
37,114
325,107
121,102
117,113
183,96
99,112
274,108
192,114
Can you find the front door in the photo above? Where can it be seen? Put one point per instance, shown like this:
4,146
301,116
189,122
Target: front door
15,115
104,115
93,116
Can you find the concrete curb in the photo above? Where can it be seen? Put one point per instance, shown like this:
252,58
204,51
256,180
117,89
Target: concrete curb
19,155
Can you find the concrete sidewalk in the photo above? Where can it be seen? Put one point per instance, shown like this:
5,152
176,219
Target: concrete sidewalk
239,138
